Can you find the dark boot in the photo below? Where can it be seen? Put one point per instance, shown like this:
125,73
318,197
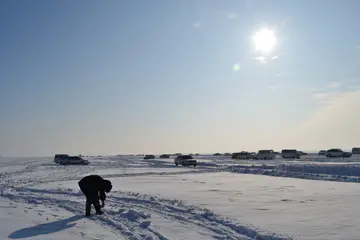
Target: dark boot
98,208
87,208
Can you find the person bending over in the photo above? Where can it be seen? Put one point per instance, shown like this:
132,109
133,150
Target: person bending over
94,188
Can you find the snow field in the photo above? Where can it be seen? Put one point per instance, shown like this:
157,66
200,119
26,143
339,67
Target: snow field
153,199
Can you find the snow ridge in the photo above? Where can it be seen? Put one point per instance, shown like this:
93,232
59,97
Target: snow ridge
310,172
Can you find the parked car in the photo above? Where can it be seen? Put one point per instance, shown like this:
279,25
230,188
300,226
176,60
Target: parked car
336,152
149,157
164,156
265,155
245,155
355,150
290,154
185,160
227,154
322,152
235,155
65,159
217,154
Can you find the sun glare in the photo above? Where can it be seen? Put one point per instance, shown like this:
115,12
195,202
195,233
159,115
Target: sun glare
264,40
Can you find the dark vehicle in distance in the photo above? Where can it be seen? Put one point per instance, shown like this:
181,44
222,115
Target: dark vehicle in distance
185,160
235,155
245,155
290,154
65,159
322,152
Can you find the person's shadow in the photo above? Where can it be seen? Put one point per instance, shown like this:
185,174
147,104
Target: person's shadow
45,228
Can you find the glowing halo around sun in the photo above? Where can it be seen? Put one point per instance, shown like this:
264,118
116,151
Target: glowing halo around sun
264,40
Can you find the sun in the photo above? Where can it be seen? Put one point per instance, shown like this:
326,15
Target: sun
264,40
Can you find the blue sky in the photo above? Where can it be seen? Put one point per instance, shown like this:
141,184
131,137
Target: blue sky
97,77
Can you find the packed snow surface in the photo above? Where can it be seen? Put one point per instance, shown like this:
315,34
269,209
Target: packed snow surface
152,199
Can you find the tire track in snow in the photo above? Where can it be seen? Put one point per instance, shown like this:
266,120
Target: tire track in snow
192,215
120,226
184,216
49,174
71,174
52,172
175,210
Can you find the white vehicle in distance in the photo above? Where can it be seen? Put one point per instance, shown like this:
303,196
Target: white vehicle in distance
265,155
64,159
290,154
355,150
336,152
185,160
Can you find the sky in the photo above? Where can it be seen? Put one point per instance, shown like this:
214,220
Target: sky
117,77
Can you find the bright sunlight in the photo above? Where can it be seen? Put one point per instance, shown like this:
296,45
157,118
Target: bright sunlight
264,40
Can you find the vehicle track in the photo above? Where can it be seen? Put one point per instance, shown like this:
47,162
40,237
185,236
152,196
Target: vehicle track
141,207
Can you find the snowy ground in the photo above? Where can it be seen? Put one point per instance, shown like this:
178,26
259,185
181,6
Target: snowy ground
153,199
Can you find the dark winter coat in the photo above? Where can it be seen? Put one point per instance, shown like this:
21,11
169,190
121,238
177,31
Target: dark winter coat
94,186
